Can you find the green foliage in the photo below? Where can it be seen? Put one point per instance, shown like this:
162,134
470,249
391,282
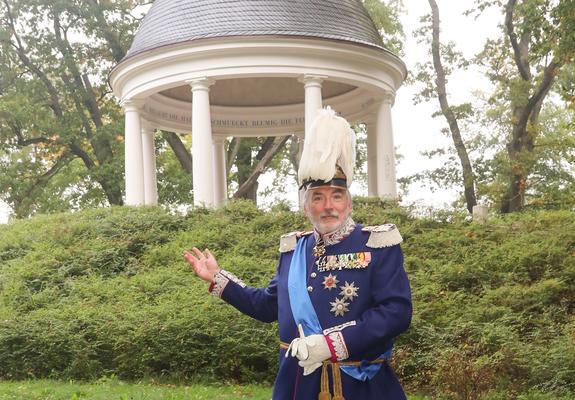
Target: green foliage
494,306
173,182
60,130
385,15
106,292
520,136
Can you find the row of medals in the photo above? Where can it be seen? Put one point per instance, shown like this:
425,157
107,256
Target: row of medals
348,291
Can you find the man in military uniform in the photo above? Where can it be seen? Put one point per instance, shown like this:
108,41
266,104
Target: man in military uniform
340,292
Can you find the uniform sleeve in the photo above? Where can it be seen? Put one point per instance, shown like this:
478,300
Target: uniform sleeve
258,303
390,314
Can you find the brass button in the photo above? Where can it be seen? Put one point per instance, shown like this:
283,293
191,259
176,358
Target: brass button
309,289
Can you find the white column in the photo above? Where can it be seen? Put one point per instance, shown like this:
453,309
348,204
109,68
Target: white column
220,181
371,158
202,145
313,103
134,168
313,99
149,160
386,182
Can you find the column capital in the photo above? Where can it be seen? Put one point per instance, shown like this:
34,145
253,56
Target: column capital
370,109
132,104
370,119
388,98
147,126
310,80
202,83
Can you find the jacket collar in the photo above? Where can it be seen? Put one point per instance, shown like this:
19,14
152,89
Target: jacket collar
338,235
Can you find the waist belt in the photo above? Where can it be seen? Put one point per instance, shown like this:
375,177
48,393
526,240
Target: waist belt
324,393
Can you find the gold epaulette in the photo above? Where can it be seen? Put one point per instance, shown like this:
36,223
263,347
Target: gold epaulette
385,235
288,242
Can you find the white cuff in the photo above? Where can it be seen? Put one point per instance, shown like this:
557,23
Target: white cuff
221,280
337,340
338,343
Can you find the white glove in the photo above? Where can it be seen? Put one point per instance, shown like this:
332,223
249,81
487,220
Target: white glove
318,351
297,347
310,351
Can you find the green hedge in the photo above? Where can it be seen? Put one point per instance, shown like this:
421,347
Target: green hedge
106,292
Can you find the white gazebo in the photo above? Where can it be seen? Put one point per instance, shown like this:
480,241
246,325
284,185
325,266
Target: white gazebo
220,68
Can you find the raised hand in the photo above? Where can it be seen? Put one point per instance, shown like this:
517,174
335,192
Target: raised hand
203,264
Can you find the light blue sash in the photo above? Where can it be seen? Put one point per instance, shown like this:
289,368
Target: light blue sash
304,313
300,303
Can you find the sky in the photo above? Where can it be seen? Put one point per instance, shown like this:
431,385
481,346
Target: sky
414,128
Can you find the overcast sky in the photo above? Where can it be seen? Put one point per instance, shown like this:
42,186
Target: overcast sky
414,128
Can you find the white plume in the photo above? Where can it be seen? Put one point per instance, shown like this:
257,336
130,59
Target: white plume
330,141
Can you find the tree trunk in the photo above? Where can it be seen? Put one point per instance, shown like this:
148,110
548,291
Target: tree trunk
294,153
182,154
113,193
23,204
525,113
467,170
249,188
244,163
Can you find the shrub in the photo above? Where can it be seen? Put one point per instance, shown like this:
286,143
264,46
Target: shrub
106,292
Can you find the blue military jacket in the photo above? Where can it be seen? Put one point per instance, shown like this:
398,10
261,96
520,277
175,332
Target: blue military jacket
362,298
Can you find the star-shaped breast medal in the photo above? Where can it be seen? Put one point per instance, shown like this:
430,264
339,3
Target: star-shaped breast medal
339,307
348,291
330,281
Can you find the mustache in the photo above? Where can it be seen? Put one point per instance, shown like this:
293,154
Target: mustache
329,214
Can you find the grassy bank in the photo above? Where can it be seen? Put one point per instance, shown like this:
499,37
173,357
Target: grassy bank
115,390
106,293
112,389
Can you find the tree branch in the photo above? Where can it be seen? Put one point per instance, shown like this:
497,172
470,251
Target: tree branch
78,151
20,140
261,165
549,75
91,102
26,199
293,153
265,147
79,109
21,51
182,154
108,32
86,94
520,50
233,150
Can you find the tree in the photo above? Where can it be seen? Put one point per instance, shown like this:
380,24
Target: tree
529,110
450,113
56,112
444,58
539,43
385,15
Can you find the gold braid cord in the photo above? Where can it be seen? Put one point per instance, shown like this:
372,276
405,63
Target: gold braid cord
324,392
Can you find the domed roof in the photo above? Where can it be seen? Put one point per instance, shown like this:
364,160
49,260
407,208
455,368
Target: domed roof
175,21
